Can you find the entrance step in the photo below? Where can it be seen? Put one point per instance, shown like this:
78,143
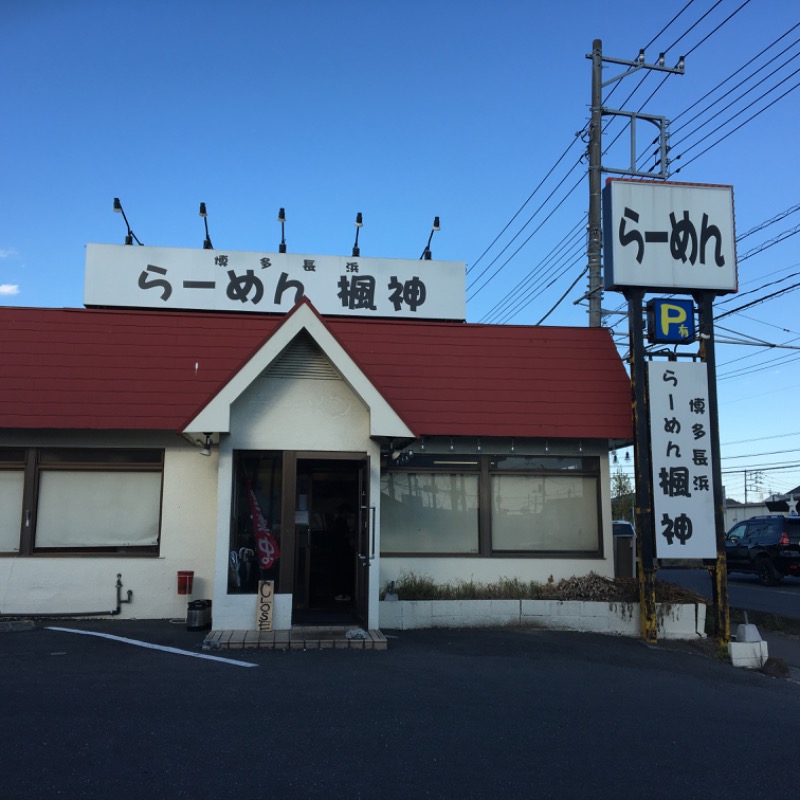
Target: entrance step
300,637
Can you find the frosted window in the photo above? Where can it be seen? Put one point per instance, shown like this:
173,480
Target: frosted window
429,513
98,509
542,512
11,484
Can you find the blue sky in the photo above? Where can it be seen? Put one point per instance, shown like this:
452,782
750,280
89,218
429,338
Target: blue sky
404,111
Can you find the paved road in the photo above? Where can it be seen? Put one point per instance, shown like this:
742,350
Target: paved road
744,591
441,714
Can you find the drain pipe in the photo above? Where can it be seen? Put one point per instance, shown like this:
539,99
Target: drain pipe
113,613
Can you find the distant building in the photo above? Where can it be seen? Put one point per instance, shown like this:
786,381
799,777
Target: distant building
788,503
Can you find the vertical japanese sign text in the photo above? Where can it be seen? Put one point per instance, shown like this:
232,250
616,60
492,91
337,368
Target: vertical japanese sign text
683,487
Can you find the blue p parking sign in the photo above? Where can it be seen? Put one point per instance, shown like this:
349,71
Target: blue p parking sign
670,321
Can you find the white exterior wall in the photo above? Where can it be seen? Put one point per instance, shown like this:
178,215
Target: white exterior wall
273,414
75,584
314,415
287,414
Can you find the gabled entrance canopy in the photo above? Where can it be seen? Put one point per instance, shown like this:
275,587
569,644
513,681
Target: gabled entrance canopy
216,415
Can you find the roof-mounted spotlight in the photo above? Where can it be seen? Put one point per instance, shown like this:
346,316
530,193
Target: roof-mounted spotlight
130,235
207,243
359,225
282,220
426,253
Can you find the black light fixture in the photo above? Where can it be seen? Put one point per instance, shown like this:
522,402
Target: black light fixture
130,235
282,220
359,225
206,451
426,253
204,214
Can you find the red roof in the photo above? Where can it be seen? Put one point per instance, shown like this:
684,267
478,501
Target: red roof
153,370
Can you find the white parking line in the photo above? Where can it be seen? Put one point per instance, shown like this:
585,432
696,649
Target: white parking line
149,646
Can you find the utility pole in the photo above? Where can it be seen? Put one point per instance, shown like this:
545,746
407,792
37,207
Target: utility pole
595,186
596,168
645,549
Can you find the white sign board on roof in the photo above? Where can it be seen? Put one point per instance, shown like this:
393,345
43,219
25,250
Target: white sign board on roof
674,236
229,280
683,486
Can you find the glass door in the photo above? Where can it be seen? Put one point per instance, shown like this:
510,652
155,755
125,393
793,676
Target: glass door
328,581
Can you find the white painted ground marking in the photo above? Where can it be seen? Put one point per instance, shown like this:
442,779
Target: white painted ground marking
149,646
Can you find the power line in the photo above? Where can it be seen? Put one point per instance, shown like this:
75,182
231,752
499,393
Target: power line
740,295
573,238
533,293
734,101
550,172
758,455
668,24
776,218
505,263
530,197
711,33
692,27
738,127
509,306
733,74
759,300
701,42
738,85
766,245
760,438
571,287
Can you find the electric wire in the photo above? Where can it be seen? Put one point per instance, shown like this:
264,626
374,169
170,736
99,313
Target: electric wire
735,101
668,25
529,198
737,128
736,72
660,85
737,86
512,295
502,306
708,108
535,231
771,243
577,256
505,228
762,225
689,52
712,32
571,287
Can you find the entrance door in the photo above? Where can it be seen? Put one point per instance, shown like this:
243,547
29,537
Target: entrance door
329,576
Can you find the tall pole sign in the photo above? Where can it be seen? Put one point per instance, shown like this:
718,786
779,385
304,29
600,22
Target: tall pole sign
679,239
682,462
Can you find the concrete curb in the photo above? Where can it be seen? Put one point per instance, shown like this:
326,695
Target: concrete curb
675,621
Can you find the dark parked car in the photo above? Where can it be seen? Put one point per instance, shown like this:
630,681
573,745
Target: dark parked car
766,546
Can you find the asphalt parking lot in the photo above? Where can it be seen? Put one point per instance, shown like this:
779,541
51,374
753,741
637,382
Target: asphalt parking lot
440,714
